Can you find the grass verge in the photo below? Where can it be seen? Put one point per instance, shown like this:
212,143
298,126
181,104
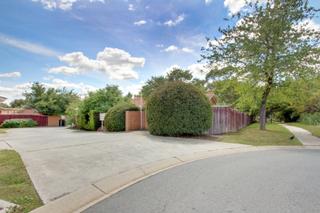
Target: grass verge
2,131
275,135
315,130
15,184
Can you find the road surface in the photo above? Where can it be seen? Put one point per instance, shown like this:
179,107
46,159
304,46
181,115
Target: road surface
264,181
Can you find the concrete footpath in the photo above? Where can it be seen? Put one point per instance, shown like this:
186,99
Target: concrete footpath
60,161
304,136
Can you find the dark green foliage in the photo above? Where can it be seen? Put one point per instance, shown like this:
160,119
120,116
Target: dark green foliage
178,109
115,117
176,74
19,123
94,122
310,119
18,103
89,121
48,101
100,101
151,85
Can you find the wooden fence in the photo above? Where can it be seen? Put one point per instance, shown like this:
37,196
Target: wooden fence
136,120
226,119
42,120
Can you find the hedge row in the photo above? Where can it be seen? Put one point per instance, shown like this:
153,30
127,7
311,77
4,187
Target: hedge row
19,123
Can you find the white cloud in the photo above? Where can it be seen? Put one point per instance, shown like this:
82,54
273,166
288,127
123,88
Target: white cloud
208,1
187,50
172,23
81,88
10,75
173,48
198,70
234,6
61,4
16,91
308,24
134,89
27,46
139,23
131,7
172,67
116,63
194,41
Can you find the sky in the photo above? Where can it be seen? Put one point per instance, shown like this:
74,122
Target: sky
84,45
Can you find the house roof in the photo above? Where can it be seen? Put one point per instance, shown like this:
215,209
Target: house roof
212,98
2,99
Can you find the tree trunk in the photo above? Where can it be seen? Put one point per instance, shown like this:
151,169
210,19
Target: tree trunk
263,108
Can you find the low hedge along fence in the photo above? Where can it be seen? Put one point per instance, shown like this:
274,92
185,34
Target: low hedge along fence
19,123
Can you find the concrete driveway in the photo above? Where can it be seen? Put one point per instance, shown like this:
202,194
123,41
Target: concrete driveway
60,160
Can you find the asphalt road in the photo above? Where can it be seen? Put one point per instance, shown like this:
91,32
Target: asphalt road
263,181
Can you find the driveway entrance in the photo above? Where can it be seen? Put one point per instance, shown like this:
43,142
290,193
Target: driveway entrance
60,160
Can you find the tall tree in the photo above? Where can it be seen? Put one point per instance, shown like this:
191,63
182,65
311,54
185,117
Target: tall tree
151,85
18,103
48,101
177,74
271,43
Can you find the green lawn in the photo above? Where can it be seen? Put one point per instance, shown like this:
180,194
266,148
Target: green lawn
2,131
15,184
275,135
315,130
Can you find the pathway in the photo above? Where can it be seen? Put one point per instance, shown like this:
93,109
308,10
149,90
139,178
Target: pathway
304,136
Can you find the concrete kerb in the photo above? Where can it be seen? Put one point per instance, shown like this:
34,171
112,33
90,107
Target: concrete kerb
90,195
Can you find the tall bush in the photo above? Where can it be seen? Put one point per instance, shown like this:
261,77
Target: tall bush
115,117
177,109
99,101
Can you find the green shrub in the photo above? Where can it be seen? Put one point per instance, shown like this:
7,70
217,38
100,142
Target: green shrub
89,121
94,121
115,118
177,109
19,123
310,118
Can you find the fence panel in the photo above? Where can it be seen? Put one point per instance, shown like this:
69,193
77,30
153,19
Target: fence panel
226,119
136,120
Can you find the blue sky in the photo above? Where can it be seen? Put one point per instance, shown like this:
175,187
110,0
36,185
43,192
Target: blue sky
86,44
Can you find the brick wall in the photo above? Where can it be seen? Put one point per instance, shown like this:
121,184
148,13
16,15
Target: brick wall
53,120
42,120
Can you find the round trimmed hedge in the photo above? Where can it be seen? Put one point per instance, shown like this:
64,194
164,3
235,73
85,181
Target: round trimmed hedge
115,118
178,109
